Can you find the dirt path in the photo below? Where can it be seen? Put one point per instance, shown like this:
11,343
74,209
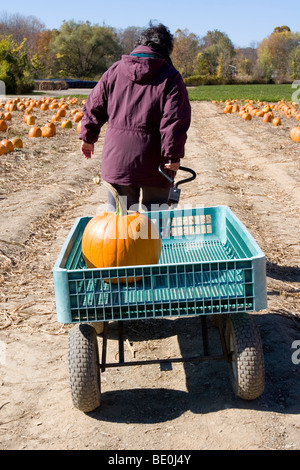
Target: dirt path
249,166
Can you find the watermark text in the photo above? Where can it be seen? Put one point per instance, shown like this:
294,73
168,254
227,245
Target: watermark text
296,93
296,353
2,91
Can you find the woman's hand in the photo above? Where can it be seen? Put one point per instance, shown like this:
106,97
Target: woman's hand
87,150
172,166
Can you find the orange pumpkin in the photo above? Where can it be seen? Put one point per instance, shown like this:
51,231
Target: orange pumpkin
228,109
7,105
27,112
3,125
3,149
276,121
47,131
260,113
35,132
267,117
246,116
55,118
266,109
67,124
120,239
17,142
295,134
61,112
30,119
8,144
52,127
78,116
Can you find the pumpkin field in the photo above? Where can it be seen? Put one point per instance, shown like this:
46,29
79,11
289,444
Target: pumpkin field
246,154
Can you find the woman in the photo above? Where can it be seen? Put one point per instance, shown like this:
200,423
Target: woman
145,102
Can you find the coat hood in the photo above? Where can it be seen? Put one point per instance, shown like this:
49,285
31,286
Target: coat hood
141,69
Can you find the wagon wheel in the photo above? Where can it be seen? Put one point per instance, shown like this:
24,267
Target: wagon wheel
84,368
247,371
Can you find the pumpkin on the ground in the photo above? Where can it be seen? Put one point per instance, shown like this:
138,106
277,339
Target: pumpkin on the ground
61,112
276,121
246,116
66,124
3,125
30,119
55,118
3,149
35,132
228,109
17,142
8,144
268,117
47,131
295,134
78,116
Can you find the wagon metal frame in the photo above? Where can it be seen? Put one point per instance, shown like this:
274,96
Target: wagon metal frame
205,342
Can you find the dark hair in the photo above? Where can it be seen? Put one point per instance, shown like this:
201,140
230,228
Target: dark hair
159,38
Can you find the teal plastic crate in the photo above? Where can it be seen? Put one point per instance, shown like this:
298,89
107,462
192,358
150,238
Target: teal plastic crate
209,264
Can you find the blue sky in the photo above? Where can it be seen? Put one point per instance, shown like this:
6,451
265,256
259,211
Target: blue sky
243,21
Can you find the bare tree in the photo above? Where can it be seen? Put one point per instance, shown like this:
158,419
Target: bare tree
128,38
21,27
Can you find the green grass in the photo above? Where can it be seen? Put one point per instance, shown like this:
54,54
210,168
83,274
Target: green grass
269,93
80,97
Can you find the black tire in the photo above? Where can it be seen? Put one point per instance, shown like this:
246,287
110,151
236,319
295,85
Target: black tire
84,371
247,371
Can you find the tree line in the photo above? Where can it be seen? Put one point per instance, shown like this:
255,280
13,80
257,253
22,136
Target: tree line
28,51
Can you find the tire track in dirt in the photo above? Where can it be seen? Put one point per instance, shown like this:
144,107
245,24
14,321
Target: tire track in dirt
274,171
21,208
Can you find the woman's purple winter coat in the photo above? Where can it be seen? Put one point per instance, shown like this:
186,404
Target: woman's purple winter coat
145,103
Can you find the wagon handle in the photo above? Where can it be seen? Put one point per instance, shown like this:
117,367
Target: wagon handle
183,168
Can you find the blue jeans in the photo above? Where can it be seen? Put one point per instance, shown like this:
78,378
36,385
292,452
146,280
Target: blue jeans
153,198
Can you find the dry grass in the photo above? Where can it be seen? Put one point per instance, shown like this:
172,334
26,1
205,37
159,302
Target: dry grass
33,163
26,268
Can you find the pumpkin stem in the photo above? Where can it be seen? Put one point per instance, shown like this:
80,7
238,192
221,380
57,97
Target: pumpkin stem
121,208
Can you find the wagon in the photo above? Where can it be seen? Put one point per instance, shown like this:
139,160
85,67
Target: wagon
210,265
